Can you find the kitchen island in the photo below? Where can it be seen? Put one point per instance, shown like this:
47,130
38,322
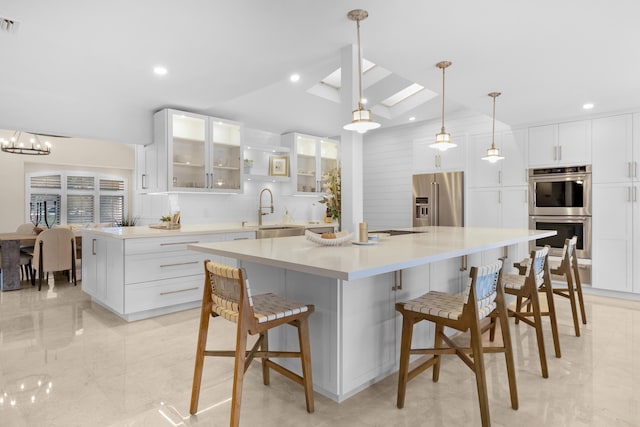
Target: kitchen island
355,333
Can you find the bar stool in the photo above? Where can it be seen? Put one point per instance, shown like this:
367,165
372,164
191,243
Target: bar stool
227,294
525,288
483,297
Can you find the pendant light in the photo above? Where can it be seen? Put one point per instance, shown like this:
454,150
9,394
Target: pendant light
361,117
493,153
443,139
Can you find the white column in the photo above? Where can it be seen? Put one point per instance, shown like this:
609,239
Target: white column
350,143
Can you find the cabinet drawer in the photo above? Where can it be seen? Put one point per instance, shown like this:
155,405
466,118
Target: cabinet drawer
168,244
150,267
162,293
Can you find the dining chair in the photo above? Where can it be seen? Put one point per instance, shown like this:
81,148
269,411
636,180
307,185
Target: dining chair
54,251
525,288
483,298
227,294
26,250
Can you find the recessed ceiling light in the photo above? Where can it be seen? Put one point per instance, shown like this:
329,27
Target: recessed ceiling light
364,100
411,118
588,106
294,77
161,71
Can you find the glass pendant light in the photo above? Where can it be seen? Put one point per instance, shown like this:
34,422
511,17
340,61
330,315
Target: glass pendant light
361,117
443,139
493,153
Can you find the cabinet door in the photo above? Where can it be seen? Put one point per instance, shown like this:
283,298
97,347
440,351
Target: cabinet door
543,145
306,174
514,207
188,151
89,265
327,159
574,143
146,168
612,149
225,161
483,207
513,146
481,172
612,237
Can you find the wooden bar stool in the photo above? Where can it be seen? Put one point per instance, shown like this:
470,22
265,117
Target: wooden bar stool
569,269
525,288
483,297
227,294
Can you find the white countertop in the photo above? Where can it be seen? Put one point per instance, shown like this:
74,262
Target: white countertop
348,262
185,230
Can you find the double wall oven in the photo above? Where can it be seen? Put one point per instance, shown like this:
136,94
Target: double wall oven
560,199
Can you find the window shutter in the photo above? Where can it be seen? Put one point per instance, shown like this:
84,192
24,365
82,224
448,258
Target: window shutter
111,208
111,185
37,209
46,181
81,183
80,208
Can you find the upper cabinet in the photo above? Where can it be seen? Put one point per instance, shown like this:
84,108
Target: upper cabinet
312,158
427,160
147,168
560,144
508,172
202,153
615,148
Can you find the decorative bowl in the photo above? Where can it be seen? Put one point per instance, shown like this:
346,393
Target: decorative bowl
341,237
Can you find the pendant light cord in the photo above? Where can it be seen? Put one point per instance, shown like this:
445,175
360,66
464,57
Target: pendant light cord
493,127
442,99
359,68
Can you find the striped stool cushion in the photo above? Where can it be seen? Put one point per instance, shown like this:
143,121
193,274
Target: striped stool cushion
266,307
513,281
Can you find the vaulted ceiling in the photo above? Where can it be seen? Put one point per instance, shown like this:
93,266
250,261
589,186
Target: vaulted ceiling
84,68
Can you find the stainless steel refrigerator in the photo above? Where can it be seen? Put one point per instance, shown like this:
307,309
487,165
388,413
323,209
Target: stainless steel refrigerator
438,199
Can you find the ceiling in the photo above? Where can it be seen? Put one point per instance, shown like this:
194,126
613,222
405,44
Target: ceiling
84,69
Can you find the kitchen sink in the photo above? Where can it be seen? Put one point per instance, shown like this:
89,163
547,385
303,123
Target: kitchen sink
267,231
397,232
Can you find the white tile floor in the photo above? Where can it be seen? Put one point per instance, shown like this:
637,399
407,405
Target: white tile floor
66,362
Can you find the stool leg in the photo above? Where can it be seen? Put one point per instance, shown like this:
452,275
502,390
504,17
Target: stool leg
478,367
552,316
265,347
572,301
518,308
238,370
508,349
405,348
537,318
579,289
305,357
202,345
437,343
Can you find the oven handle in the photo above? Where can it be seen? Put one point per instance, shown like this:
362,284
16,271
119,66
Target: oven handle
561,218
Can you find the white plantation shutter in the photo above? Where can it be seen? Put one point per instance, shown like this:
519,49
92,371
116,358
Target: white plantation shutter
80,208
37,212
81,183
111,209
46,181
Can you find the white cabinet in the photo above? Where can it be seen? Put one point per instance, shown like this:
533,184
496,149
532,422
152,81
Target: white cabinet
615,148
616,220
616,209
427,159
512,170
259,162
147,170
560,144
312,158
102,267
202,153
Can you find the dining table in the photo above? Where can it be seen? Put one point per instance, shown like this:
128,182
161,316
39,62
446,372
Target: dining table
10,250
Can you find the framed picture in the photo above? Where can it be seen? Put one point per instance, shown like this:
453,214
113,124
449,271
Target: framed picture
279,166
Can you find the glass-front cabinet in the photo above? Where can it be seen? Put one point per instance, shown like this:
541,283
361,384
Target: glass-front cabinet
312,158
203,153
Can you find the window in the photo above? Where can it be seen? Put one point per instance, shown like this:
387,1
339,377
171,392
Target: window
75,198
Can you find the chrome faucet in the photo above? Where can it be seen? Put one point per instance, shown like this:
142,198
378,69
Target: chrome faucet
261,208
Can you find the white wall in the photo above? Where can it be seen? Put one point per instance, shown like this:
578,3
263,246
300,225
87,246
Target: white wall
108,157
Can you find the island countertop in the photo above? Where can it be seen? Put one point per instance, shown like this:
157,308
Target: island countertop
350,262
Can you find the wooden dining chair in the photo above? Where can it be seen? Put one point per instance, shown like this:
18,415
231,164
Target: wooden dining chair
54,251
526,287
484,297
227,294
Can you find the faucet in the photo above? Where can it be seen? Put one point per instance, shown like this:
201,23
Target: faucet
260,207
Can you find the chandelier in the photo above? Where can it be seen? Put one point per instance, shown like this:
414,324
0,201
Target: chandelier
16,145
443,139
493,153
361,117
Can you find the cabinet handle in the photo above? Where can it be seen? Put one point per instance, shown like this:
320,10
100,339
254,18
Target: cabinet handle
179,263
397,280
144,181
180,290
635,194
628,169
560,152
635,169
240,238
555,153
463,263
499,177
628,194
93,247
178,243
499,196
505,252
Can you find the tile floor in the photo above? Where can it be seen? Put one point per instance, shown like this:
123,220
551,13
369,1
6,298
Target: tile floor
65,361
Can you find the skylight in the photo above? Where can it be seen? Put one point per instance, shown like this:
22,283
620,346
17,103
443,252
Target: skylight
334,79
402,95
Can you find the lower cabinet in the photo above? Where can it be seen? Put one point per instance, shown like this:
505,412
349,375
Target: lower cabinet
143,277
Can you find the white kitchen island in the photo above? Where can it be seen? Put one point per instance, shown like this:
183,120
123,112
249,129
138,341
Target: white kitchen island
355,333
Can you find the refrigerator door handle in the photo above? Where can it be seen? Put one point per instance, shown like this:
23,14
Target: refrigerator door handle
435,208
